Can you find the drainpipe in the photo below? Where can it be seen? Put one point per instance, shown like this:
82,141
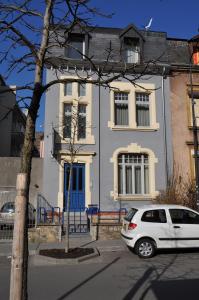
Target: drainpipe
99,133
99,157
165,127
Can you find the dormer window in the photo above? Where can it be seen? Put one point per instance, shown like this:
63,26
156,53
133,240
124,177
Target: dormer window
131,50
76,47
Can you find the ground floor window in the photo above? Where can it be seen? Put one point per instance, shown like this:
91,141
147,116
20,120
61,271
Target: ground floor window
133,174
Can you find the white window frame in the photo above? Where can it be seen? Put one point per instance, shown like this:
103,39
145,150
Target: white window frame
133,165
65,89
129,88
121,101
134,49
82,114
68,114
152,160
79,88
142,103
75,100
196,110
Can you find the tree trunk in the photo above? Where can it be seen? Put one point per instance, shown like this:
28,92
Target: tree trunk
26,161
67,244
20,236
16,279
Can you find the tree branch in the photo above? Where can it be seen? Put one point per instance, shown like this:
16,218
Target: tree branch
14,8
25,41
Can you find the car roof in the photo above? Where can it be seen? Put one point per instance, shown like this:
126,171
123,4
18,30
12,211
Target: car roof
159,206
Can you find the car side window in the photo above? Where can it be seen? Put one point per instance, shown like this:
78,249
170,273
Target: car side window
155,216
183,216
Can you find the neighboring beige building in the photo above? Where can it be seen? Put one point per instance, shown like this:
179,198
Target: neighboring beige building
181,111
181,120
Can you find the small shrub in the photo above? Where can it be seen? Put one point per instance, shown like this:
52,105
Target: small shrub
178,192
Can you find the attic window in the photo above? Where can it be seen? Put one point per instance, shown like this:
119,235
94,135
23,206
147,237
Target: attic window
196,55
131,50
76,47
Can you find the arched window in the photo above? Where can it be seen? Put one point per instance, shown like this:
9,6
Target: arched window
133,174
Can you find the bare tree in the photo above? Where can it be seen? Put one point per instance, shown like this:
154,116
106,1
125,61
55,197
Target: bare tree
72,129
28,35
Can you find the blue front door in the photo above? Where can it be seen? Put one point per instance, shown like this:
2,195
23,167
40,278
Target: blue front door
77,187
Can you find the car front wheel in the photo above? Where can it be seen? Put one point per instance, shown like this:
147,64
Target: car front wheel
145,248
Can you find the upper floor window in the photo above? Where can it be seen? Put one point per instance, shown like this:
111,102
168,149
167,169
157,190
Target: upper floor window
121,108
68,89
81,121
131,50
67,120
81,89
133,174
74,121
196,110
142,109
76,47
75,109
192,163
196,106
132,108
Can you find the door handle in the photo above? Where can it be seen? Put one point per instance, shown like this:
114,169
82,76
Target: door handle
176,227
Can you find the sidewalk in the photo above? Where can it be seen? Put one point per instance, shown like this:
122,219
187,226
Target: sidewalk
75,241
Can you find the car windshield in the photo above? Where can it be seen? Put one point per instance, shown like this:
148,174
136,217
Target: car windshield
130,214
8,207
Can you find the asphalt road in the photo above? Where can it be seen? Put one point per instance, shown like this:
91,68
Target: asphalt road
113,275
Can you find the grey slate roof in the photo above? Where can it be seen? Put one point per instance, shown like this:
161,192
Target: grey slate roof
156,46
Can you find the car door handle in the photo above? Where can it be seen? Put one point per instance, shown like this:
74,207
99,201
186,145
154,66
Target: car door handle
176,227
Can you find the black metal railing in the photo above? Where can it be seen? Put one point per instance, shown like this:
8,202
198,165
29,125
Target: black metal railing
52,215
78,221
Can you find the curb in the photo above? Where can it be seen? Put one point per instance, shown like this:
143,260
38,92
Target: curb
41,260
111,248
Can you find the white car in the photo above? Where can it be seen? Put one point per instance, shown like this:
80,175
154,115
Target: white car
150,227
7,213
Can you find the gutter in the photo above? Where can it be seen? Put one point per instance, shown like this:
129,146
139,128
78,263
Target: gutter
164,127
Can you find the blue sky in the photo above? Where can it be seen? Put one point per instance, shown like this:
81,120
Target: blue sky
179,18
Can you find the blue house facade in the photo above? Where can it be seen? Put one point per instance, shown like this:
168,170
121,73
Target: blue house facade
118,135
